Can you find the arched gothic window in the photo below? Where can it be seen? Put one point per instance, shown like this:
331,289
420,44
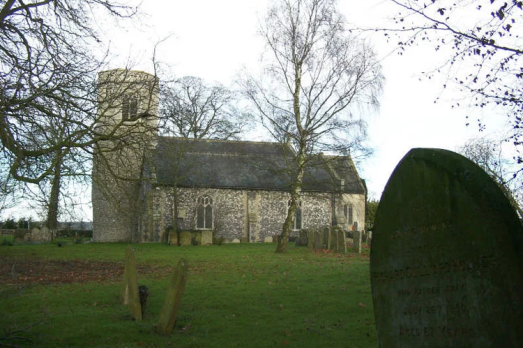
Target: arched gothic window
204,212
298,217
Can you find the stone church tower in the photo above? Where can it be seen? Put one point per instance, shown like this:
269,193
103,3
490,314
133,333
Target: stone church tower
127,122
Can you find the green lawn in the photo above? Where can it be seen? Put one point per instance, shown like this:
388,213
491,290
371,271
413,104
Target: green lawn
241,295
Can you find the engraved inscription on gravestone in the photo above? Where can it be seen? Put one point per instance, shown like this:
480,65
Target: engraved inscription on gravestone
446,257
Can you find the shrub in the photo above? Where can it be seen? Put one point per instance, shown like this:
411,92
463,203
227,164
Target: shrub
20,233
76,233
6,240
218,240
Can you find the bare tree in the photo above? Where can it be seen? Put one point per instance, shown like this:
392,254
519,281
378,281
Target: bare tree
488,155
191,109
8,188
47,65
315,75
484,60
52,108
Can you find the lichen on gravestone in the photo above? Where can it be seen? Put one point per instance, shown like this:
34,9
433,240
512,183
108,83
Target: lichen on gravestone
173,299
446,258
130,294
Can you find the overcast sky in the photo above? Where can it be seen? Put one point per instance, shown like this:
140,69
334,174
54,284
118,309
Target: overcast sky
214,39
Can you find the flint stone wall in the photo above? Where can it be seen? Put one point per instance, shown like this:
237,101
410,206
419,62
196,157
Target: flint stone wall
242,215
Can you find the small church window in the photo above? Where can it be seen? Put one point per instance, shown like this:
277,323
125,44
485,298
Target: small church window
129,108
347,211
204,212
298,216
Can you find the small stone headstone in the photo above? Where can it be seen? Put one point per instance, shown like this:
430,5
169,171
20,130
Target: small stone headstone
173,238
143,293
130,294
196,238
310,238
185,238
342,244
173,299
34,235
446,257
325,241
333,240
47,235
302,239
318,240
268,239
206,238
356,241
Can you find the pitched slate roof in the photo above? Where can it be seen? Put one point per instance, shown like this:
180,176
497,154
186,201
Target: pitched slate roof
243,165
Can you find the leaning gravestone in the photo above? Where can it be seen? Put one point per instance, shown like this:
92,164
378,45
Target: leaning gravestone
446,257
130,294
173,299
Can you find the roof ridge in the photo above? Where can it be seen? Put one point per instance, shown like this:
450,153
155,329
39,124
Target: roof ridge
222,140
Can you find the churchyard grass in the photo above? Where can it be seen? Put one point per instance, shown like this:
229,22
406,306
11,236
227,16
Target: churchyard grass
237,295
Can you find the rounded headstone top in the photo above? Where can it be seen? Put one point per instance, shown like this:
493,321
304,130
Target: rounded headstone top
446,257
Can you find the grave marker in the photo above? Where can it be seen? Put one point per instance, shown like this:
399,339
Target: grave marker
356,241
173,299
332,239
446,257
310,238
342,243
185,238
130,294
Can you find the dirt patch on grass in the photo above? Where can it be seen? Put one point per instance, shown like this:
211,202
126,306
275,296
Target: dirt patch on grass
71,271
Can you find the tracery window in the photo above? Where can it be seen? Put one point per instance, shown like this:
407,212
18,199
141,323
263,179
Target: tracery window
204,212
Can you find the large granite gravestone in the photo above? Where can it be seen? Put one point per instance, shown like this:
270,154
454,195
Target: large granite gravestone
173,299
446,257
130,294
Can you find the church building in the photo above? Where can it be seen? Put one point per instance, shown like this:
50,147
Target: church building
145,185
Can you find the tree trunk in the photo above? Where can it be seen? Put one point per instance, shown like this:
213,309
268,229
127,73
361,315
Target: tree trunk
52,212
287,225
174,231
295,197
